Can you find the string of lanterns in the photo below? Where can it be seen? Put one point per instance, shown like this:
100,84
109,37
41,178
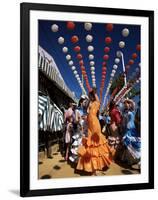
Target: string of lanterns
113,72
61,40
108,40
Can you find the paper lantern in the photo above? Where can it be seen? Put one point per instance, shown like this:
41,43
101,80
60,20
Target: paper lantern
77,48
93,72
104,63
71,62
112,75
109,27
87,26
55,28
83,72
81,62
138,47
108,40
103,68
90,48
61,40
103,76
77,76
121,44
93,76
106,49
92,68
79,56
134,55
89,38
91,56
125,32
75,72
92,63
104,73
119,54
73,67
70,25
74,39
117,60
131,62
68,57
106,57
83,68
65,49
115,67
113,71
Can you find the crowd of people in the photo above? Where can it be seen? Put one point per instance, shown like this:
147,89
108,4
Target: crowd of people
94,140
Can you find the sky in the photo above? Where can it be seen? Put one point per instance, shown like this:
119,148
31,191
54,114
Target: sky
49,41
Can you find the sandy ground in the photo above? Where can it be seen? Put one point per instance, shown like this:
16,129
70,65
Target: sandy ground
57,167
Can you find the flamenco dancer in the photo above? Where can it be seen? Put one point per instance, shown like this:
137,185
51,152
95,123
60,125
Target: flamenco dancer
94,153
131,140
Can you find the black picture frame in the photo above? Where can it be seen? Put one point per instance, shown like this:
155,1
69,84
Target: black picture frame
25,9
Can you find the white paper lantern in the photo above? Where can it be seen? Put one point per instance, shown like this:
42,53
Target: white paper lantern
117,60
91,56
55,28
73,67
115,67
65,49
113,71
61,40
93,72
75,72
137,81
92,63
92,68
71,62
93,76
90,48
80,81
68,57
121,44
94,85
112,75
89,38
87,26
125,32
119,54
77,76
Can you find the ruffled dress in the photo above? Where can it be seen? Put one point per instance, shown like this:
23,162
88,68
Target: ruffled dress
94,153
131,140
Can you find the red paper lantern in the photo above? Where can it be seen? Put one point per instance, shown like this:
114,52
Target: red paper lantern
108,40
109,27
103,68
134,56
83,72
104,64
77,48
74,39
103,72
79,56
106,49
131,62
138,47
81,62
106,57
103,76
70,25
82,68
